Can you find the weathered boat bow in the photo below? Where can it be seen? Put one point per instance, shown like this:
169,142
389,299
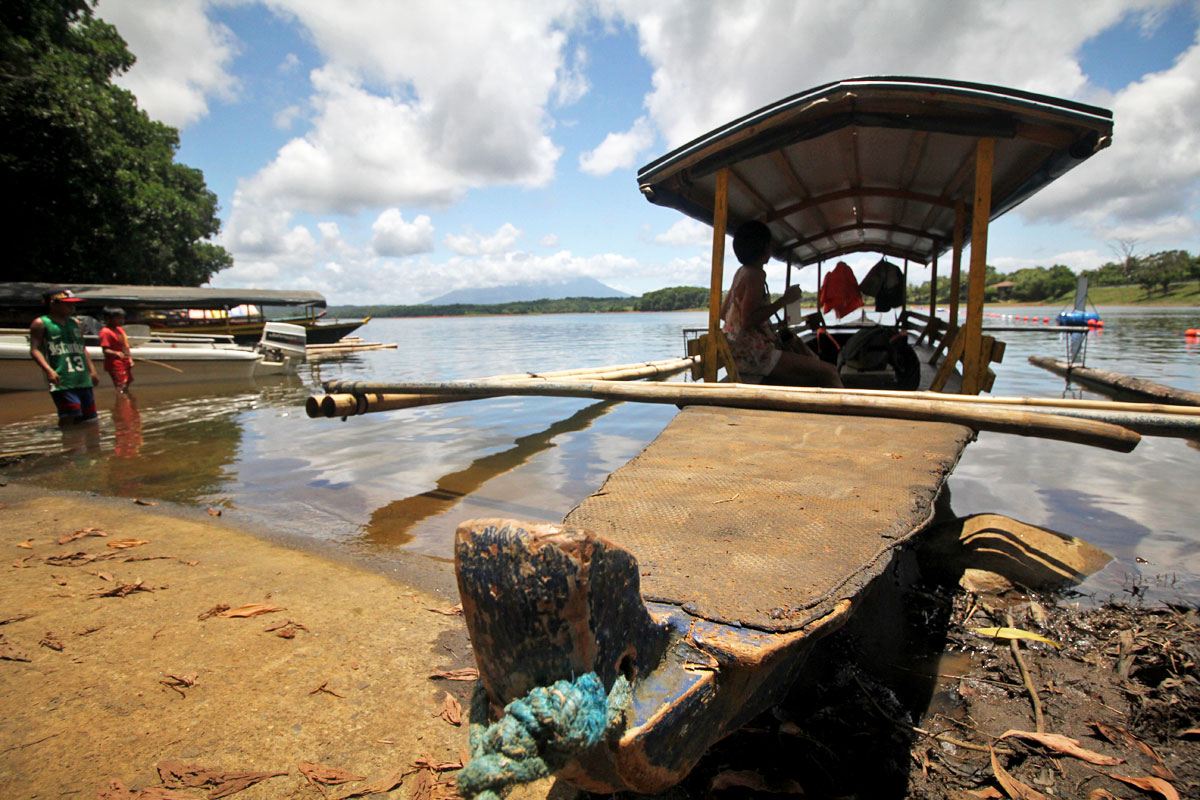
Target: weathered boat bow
747,555
691,678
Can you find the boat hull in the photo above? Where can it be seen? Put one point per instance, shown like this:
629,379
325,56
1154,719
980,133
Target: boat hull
184,364
703,575
248,333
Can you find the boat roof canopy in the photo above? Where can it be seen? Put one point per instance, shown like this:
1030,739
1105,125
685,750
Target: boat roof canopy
876,164
25,295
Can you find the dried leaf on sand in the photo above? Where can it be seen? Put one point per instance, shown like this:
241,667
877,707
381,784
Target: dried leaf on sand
119,791
212,612
1155,785
215,512
79,534
328,776
451,710
144,502
124,589
1065,745
379,785
324,687
51,641
287,629
465,674
1013,787
123,543
249,610
453,611
177,775
1123,738
1014,633
423,786
180,682
427,762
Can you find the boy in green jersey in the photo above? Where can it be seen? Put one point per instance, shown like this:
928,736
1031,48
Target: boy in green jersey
56,344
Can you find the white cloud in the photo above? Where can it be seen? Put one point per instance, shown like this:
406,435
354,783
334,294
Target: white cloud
1077,260
474,244
396,238
687,232
1147,184
572,82
618,150
284,118
549,240
169,88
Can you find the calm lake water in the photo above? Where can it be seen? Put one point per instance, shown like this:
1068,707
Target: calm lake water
387,490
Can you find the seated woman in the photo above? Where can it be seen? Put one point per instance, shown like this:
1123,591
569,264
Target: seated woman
747,311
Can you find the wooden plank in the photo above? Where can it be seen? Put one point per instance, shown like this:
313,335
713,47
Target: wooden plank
952,357
973,362
1115,382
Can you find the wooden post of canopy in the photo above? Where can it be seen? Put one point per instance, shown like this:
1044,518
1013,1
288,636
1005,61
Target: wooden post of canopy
720,215
904,304
960,214
933,284
787,282
974,363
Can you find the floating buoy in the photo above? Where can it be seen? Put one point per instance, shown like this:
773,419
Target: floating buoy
1045,320
1192,332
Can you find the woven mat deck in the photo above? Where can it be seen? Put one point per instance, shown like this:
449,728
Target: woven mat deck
766,518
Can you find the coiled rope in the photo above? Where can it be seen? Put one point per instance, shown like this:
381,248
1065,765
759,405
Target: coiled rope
539,733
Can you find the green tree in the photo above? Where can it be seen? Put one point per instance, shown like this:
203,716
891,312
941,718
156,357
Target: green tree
92,190
1162,269
673,298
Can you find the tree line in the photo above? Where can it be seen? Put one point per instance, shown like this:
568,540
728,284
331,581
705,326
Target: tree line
1152,272
673,298
93,191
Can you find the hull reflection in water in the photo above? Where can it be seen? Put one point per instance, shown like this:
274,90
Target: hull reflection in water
392,524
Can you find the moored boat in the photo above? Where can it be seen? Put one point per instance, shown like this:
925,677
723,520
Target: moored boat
684,596
161,359
237,313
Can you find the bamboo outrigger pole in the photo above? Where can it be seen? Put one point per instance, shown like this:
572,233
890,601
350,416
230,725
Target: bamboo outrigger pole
1005,420
350,398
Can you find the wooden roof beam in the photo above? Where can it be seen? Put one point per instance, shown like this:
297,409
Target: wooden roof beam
763,204
863,191
798,186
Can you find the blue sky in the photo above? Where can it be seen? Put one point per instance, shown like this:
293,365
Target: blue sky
382,151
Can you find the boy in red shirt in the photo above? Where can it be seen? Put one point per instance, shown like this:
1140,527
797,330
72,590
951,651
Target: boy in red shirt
117,361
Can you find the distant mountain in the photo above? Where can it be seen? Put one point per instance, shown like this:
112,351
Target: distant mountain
522,292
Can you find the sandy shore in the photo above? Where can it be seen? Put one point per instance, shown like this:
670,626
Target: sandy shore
112,660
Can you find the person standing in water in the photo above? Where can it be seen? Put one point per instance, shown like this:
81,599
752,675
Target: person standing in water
56,345
118,362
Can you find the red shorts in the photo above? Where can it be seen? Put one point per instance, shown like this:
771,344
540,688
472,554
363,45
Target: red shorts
121,373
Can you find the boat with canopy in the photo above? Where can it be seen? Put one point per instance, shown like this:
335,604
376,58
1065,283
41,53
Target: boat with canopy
240,313
683,597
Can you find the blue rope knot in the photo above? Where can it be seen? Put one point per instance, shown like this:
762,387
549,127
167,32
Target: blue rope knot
539,733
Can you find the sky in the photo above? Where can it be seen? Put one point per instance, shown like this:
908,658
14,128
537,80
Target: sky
390,151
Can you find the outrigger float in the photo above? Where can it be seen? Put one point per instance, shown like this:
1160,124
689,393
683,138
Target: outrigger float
683,597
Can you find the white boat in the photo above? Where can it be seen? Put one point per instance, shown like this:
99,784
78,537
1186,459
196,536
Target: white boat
168,358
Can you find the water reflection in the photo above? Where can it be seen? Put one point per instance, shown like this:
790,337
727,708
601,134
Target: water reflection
127,426
392,524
